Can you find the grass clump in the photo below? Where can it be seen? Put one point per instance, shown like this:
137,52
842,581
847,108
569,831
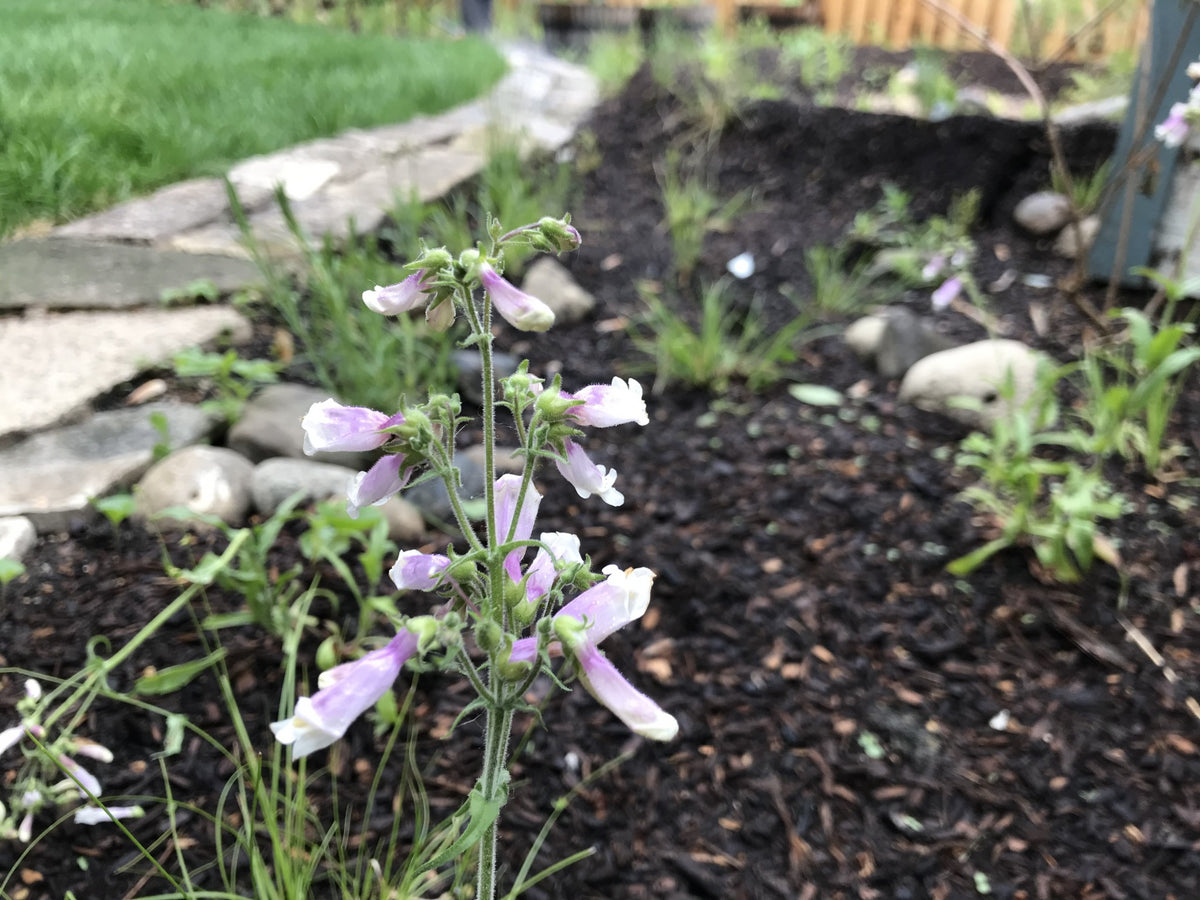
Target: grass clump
103,99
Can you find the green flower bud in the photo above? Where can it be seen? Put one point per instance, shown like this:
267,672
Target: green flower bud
552,405
327,654
433,260
488,635
560,233
569,630
510,671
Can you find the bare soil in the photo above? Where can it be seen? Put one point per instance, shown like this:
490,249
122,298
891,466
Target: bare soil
837,690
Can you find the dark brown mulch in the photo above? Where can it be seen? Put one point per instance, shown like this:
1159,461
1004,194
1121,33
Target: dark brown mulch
836,689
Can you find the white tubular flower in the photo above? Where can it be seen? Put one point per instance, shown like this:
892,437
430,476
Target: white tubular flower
604,405
627,703
87,782
520,310
353,688
97,815
403,297
586,477
329,426
10,737
539,577
417,571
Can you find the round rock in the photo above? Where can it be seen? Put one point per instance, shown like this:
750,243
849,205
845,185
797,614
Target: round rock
976,371
211,481
1043,213
274,480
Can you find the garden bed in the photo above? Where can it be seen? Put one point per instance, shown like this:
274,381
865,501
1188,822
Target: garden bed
840,696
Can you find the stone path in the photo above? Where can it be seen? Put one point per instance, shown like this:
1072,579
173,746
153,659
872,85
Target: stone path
81,310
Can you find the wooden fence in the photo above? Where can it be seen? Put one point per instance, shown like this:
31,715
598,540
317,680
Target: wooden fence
1093,29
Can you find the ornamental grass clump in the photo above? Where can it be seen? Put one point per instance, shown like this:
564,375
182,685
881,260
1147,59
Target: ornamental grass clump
511,604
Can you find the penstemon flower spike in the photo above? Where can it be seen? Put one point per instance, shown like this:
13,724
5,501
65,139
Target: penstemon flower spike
501,618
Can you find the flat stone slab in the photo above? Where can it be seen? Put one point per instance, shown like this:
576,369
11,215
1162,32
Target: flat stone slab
50,477
57,362
59,273
178,207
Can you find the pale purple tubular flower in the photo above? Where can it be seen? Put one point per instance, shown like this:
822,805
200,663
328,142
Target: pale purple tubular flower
605,405
1173,130
627,703
25,829
87,781
520,310
934,267
353,688
539,577
10,737
945,294
417,571
330,426
376,486
92,750
586,477
507,492
96,815
601,610
405,296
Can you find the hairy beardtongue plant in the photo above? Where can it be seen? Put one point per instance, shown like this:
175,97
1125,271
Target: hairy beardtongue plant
504,619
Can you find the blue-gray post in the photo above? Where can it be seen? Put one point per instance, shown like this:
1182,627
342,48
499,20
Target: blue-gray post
1174,42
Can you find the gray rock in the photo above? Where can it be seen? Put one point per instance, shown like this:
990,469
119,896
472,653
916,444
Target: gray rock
68,359
270,426
188,204
551,283
406,525
1043,213
1067,245
508,462
51,476
430,496
17,537
470,372
976,371
211,481
274,480
906,338
58,273
1110,109
863,336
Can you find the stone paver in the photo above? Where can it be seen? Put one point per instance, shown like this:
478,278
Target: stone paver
116,266
50,477
56,363
59,273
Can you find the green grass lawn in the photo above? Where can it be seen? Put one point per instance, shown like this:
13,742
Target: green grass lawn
101,100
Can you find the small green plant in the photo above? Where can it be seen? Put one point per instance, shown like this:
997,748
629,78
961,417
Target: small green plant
692,210
273,598
233,379
1086,192
723,345
339,338
116,508
926,80
838,288
332,534
613,58
10,570
1051,501
822,58
1132,387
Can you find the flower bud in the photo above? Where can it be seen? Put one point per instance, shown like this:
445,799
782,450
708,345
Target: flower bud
552,405
510,670
434,260
488,635
560,233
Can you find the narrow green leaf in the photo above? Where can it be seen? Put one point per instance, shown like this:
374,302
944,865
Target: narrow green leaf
815,394
173,678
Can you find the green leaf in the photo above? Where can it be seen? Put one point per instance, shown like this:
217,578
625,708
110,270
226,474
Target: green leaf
173,678
815,394
10,569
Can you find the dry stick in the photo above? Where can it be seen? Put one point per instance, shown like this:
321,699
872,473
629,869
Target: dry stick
1080,302
1139,637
